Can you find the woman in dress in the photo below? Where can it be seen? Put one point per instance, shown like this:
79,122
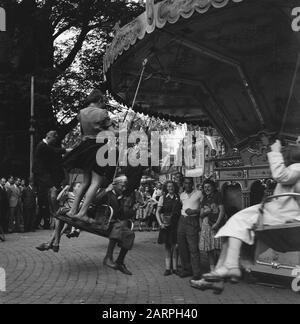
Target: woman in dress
93,120
168,214
239,229
213,214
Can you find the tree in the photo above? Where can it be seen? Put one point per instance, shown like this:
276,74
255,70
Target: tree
33,28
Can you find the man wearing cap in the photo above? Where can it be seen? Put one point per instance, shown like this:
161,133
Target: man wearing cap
48,175
123,206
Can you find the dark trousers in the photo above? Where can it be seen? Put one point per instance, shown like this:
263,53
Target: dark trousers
4,219
29,214
188,244
44,209
110,252
48,205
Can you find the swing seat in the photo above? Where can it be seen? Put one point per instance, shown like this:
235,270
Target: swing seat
281,238
102,216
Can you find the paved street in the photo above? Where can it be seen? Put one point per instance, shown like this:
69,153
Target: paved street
76,275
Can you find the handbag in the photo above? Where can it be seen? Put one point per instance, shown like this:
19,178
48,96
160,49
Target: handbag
166,219
212,219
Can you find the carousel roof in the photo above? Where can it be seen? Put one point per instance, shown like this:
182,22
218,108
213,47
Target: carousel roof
232,62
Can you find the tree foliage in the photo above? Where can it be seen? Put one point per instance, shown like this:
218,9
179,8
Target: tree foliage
63,75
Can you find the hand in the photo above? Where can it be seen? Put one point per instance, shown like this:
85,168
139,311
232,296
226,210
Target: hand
110,188
276,147
190,212
162,226
215,227
207,210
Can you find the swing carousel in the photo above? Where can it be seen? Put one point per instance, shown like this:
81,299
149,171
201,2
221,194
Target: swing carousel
231,64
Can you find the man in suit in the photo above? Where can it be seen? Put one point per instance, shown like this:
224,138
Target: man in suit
29,207
14,201
48,175
3,206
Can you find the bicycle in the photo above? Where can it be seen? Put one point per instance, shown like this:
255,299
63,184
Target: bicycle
2,235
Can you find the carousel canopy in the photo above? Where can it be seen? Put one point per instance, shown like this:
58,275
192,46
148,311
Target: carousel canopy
232,62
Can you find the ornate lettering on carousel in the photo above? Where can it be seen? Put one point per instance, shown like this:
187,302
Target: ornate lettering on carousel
260,173
156,15
125,37
229,163
296,20
232,175
150,13
171,10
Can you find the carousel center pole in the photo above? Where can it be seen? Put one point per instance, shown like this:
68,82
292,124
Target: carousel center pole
292,89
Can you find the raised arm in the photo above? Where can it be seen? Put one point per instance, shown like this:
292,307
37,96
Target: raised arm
103,193
63,196
282,174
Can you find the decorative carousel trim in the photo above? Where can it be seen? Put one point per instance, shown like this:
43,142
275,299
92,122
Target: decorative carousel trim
156,16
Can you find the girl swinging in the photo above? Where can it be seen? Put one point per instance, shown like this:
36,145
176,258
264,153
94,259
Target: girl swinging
93,120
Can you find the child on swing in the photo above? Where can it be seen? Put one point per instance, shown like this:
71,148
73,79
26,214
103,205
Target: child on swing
93,120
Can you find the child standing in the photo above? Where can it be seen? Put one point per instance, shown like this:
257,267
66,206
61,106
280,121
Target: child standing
168,214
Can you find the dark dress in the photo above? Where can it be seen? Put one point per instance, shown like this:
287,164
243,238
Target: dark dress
93,120
171,210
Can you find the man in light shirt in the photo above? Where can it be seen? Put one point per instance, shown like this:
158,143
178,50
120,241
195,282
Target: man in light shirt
15,223
188,230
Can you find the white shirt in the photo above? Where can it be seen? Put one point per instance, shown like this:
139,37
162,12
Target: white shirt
157,193
191,201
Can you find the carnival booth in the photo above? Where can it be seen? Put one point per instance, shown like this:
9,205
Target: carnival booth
231,64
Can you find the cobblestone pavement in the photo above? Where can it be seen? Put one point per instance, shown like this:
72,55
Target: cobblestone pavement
76,275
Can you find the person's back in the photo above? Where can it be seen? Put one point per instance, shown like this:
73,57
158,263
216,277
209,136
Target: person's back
43,159
47,165
284,209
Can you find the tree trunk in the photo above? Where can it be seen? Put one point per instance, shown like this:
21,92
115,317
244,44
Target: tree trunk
30,53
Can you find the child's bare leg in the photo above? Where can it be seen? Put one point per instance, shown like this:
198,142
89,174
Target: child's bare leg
80,194
58,229
175,257
96,182
58,224
168,257
211,259
64,229
52,238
